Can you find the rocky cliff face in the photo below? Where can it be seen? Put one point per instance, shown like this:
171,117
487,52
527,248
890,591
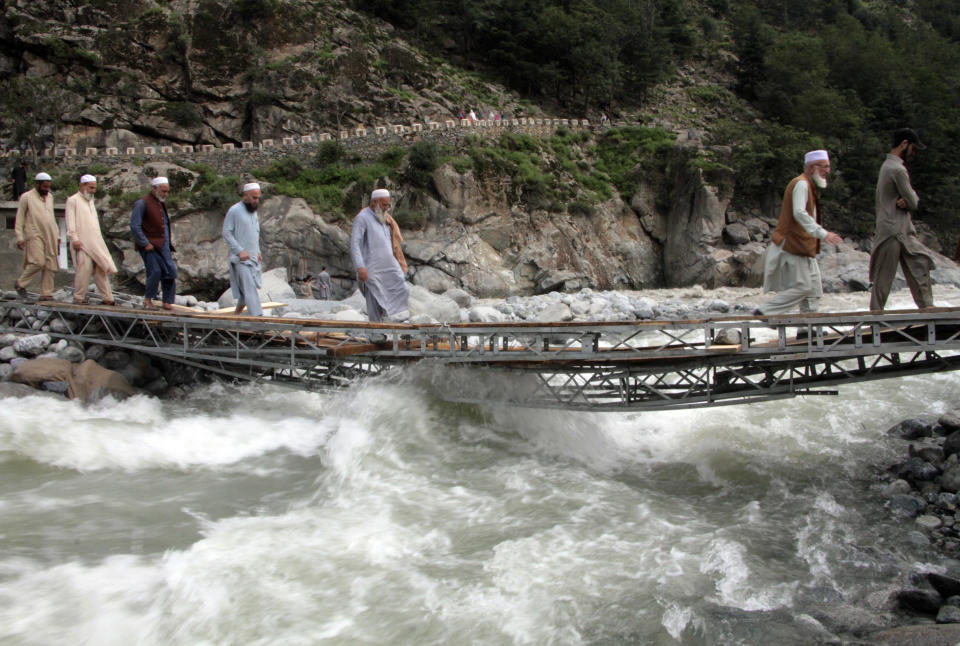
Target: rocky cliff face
218,71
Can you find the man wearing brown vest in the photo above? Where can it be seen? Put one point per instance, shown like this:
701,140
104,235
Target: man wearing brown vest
150,226
790,265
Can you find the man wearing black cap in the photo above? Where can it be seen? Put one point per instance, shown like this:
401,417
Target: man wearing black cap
896,243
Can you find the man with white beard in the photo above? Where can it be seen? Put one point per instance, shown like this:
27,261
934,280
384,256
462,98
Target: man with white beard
790,265
896,243
153,238
379,272
90,254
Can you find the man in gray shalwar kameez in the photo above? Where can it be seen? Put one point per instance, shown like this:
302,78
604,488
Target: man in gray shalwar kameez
896,243
241,231
381,278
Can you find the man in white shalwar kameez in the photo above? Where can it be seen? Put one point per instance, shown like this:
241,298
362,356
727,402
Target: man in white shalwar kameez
381,278
241,231
90,253
39,237
790,264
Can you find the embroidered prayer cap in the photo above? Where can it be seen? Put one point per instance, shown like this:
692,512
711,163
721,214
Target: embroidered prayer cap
814,156
379,194
251,186
43,177
157,181
86,179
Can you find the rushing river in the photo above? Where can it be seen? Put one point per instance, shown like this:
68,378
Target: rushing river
382,515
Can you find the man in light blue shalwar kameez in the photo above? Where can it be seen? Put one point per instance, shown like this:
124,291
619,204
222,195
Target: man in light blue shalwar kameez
241,231
381,278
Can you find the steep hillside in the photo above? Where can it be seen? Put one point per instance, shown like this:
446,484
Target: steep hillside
217,71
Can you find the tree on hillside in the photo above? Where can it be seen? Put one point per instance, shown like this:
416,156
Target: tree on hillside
34,108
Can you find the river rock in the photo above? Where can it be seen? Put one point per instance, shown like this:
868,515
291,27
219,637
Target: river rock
438,307
948,615
905,505
922,635
841,617
114,359
6,371
7,353
922,600
60,387
485,314
554,312
61,326
911,429
951,445
7,340
460,297
950,420
72,354
917,470
950,478
95,352
33,345
349,315
946,586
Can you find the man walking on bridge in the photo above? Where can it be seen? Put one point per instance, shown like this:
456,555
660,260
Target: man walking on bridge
790,266
153,238
90,253
241,231
896,243
378,270
39,237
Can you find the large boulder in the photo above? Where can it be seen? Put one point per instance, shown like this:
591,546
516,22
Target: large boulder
440,308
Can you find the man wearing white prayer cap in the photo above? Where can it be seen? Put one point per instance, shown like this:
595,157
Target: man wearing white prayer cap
380,273
39,236
241,231
153,238
790,263
90,253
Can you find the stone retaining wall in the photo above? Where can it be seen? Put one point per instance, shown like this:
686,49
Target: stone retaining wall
366,143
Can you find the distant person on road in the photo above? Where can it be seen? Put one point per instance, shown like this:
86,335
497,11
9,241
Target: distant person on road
323,284
18,180
39,236
241,231
790,265
153,238
378,270
895,243
90,253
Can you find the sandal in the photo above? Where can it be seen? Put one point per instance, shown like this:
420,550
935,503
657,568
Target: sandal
109,303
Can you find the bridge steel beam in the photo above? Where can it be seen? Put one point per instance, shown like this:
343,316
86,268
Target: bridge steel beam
640,365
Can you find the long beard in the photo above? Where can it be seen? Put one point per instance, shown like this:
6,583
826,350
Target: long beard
821,182
88,197
381,215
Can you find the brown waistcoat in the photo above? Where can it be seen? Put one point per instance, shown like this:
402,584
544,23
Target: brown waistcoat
798,241
154,219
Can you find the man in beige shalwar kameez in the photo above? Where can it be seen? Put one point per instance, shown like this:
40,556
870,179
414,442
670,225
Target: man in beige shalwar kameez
39,237
90,254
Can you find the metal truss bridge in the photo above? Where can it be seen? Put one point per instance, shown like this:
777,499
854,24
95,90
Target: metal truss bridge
600,366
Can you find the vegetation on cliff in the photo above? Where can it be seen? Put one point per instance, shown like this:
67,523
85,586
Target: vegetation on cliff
760,82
